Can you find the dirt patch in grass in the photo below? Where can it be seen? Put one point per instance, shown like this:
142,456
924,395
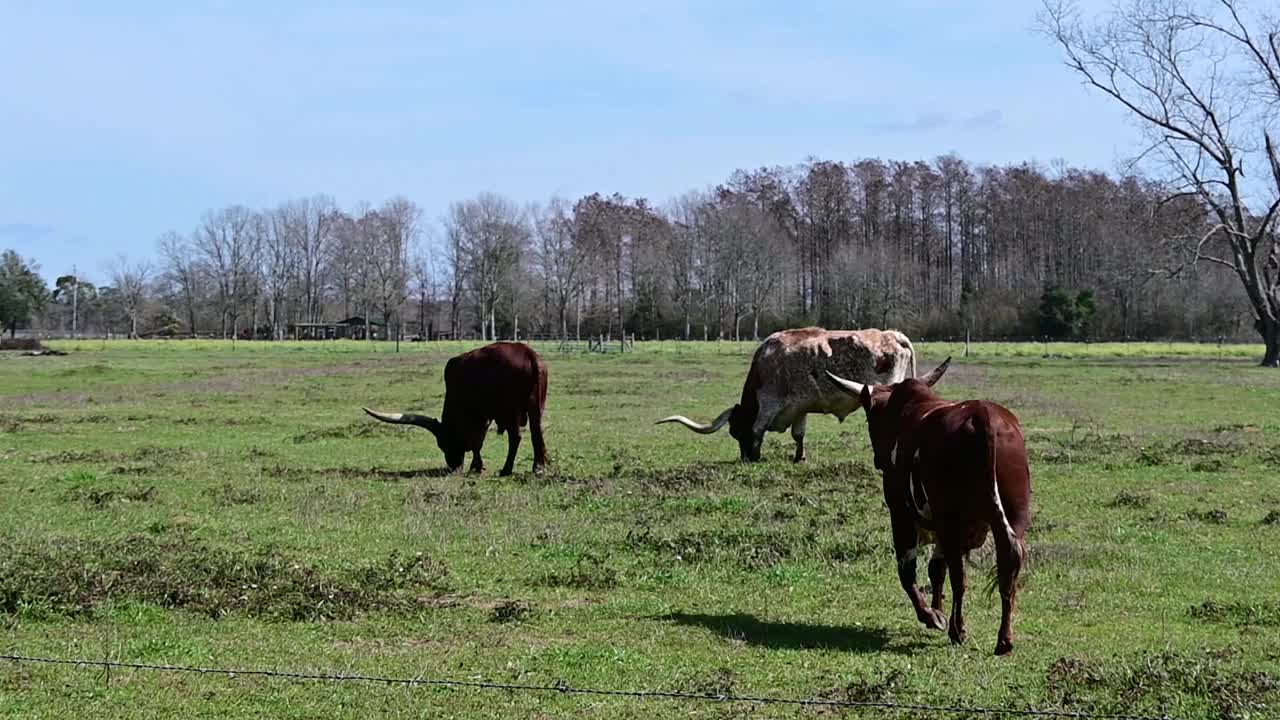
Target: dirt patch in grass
882,689
1126,499
351,430
1201,447
1209,465
47,422
1211,517
1237,428
421,498
140,470
1141,685
847,475
77,577
589,572
1263,613
510,611
305,473
152,456
70,457
684,477
749,548
714,683
1270,457
100,499
228,495
846,551
1153,456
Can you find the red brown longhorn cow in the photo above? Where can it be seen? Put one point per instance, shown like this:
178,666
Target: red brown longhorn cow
953,472
503,383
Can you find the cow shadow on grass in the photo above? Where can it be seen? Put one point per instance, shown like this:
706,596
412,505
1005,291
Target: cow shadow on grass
796,636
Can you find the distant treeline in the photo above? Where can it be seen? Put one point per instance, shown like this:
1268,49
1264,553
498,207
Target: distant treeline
935,248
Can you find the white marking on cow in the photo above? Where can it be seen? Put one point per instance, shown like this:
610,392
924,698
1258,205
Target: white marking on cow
893,455
1004,519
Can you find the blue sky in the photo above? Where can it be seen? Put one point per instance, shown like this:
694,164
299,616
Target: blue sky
120,121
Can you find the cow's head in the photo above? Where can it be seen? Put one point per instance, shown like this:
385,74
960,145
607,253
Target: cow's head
883,407
450,441
740,422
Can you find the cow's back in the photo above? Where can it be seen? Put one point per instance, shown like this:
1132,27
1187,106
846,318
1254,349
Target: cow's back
494,381
791,362
955,442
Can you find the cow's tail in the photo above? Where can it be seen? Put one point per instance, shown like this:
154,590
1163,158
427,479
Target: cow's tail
902,338
537,390
1000,521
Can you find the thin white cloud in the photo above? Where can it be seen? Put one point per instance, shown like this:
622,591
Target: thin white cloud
923,122
24,232
984,120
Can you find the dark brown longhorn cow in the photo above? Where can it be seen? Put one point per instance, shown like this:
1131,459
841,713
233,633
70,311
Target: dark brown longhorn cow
953,471
503,383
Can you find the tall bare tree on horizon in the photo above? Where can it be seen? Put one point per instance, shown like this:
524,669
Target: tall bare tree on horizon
131,280
1202,78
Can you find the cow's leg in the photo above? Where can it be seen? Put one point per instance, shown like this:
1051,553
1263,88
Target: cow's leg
766,419
477,465
539,447
1008,566
513,444
797,434
937,576
904,545
955,563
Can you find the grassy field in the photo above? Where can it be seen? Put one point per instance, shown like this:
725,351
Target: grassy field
199,504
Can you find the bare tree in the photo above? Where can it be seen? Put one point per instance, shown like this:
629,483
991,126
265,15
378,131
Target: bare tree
424,274
560,258
346,263
489,233
310,223
224,242
131,281
456,264
183,272
391,233
1203,80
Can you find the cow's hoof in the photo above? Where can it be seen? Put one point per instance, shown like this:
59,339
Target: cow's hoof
1004,647
504,472
934,620
956,634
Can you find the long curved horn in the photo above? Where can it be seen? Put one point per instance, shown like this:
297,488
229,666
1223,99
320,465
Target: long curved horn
715,425
936,374
405,419
849,386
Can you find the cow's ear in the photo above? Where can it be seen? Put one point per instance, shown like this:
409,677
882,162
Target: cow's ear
865,397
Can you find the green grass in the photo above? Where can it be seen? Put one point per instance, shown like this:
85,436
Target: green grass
198,504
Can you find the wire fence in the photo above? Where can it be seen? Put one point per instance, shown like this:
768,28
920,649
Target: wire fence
565,689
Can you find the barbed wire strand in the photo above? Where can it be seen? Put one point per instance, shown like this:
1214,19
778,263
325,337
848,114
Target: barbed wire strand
563,688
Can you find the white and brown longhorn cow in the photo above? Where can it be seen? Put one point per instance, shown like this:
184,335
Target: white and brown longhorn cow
787,381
